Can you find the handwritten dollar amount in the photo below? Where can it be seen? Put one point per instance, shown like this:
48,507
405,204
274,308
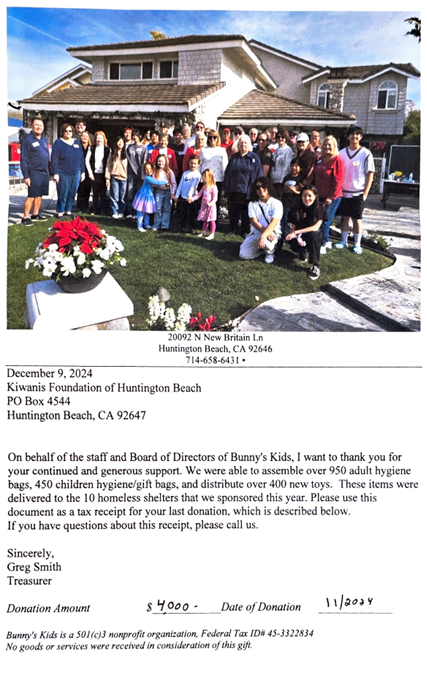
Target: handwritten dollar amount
163,607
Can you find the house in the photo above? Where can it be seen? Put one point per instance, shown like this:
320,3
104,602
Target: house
222,80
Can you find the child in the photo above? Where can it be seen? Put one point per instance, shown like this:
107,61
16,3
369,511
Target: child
207,212
163,194
186,189
306,218
144,202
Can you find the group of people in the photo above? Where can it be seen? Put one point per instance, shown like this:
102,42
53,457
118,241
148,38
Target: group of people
280,186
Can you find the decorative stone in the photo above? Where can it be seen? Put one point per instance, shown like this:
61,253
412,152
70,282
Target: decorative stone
163,294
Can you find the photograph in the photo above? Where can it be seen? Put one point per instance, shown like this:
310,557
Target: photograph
224,170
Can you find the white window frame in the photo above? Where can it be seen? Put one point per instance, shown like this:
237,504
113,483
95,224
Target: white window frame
172,61
390,87
126,63
323,91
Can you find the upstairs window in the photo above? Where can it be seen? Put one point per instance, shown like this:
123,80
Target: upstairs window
323,96
387,95
169,69
126,71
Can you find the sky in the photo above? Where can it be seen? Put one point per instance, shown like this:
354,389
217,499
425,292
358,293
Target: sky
37,37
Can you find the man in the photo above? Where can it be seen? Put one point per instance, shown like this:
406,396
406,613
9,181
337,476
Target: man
292,141
132,172
253,134
272,142
315,143
164,130
265,214
178,146
264,153
35,170
138,155
359,169
80,127
225,138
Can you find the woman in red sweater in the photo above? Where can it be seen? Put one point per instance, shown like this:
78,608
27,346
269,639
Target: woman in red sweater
328,179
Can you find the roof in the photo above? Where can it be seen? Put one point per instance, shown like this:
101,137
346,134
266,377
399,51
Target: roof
128,94
365,72
261,106
167,42
286,55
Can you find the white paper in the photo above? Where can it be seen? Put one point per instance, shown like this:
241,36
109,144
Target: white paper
340,396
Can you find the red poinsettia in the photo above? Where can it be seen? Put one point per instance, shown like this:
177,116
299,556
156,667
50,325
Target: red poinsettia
79,232
197,323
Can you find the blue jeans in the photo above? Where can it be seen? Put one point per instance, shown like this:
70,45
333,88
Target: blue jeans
162,215
117,195
329,216
131,189
66,190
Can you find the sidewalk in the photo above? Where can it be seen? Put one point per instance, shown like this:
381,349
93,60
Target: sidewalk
385,301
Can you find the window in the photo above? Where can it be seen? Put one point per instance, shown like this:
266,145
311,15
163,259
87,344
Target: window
168,69
126,71
323,96
147,70
387,95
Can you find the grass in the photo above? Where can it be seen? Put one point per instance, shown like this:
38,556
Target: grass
208,275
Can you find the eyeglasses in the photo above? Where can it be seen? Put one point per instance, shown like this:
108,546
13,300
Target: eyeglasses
262,140
68,130
261,188
212,137
200,127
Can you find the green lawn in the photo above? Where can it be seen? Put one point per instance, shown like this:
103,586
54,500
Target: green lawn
208,275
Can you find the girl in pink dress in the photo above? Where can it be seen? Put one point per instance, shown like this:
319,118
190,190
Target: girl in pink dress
207,213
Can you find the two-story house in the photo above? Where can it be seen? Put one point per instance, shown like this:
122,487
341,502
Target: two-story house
222,80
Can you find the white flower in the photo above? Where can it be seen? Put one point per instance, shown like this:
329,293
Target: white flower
76,250
53,246
28,262
184,313
86,272
97,266
169,319
180,326
68,266
105,254
81,259
49,269
123,262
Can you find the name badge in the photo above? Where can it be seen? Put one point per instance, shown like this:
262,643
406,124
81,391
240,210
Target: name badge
36,143
76,146
356,163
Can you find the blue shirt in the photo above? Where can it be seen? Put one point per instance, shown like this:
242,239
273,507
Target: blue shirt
67,158
34,155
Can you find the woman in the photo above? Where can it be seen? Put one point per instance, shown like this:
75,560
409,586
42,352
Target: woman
116,174
166,151
214,157
305,221
68,168
265,213
163,194
96,168
282,157
85,186
200,143
241,172
328,180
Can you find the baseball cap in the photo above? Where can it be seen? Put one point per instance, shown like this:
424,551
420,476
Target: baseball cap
302,137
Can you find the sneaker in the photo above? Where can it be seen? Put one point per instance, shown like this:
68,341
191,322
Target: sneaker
314,273
323,250
340,245
328,245
269,259
115,216
141,229
211,238
69,213
27,221
358,250
120,216
39,218
201,234
59,214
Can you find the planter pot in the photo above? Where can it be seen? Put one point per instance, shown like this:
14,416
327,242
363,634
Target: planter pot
69,284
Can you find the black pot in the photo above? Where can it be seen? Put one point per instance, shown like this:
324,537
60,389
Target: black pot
70,284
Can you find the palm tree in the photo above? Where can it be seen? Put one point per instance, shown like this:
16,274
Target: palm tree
416,30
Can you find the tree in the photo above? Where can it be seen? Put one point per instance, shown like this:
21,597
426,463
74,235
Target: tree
157,35
412,128
416,30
